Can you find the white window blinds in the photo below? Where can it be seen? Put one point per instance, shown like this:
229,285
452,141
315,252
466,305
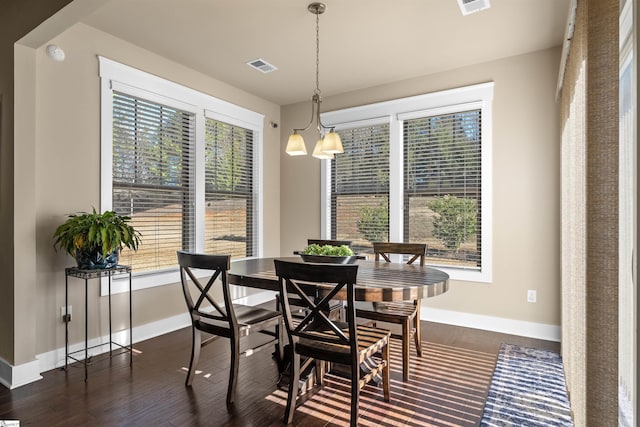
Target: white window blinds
442,186
229,206
360,187
153,178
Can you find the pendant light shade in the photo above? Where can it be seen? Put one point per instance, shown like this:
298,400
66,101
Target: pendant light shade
332,143
295,145
319,151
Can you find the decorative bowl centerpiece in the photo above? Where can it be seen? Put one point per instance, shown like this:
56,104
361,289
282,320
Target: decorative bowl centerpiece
328,254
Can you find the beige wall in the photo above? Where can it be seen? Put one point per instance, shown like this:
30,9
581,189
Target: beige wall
525,184
17,19
67,172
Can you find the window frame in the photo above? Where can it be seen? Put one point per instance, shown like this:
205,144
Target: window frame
479,96
134,82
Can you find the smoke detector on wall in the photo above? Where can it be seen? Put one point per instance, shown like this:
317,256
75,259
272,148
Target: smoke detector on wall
472,6
55,52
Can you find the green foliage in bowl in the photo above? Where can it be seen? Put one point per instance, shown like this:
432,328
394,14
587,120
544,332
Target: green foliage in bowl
328,250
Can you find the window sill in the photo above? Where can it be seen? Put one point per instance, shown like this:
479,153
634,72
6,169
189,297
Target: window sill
466,274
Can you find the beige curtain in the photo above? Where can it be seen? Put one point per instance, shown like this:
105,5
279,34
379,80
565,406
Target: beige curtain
589,234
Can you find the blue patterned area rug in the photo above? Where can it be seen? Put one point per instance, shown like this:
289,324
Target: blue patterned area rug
527,389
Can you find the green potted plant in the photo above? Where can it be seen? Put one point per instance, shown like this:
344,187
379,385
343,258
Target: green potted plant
95,239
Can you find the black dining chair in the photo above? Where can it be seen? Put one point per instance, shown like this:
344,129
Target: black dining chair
221,318
323,242
363,349
404,313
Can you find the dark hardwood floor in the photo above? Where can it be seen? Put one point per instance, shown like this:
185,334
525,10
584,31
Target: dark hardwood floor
447,387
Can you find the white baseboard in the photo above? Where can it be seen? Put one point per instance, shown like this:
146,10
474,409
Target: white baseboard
55,358
495,324
16,376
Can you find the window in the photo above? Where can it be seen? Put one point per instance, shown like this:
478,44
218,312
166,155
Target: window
153,165
183,165
228,189
442,192
416,170
360,185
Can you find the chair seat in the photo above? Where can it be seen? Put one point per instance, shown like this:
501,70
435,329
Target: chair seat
390,312
370,342
335,306
246,316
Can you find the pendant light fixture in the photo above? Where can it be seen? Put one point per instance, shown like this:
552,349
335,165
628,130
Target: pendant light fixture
329,142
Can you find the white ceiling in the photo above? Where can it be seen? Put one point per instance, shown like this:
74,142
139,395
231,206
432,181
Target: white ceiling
362,43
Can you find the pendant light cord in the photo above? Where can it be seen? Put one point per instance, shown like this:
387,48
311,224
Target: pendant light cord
317,53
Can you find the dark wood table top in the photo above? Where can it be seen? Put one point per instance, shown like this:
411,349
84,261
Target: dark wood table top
377,281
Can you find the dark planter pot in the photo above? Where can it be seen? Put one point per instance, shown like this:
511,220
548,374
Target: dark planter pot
93,259
329,259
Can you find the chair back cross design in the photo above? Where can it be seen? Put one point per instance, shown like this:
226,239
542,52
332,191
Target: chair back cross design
293,276
384,249
218,265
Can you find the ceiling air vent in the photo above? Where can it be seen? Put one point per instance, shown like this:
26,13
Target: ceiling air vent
472,6
262,65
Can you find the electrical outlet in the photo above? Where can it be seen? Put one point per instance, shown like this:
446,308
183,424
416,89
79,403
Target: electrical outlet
531,295
65,314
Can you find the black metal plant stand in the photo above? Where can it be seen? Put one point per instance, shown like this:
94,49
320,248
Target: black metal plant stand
86,275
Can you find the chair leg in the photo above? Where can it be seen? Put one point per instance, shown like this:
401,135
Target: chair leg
280,336
294,382
386,373
196,342
320,370
233,370
406,352
418,334
355,393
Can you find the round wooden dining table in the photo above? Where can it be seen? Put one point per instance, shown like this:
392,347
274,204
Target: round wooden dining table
376,280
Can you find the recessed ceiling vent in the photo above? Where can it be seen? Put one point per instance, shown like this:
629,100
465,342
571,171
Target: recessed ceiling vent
262,65
472,6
